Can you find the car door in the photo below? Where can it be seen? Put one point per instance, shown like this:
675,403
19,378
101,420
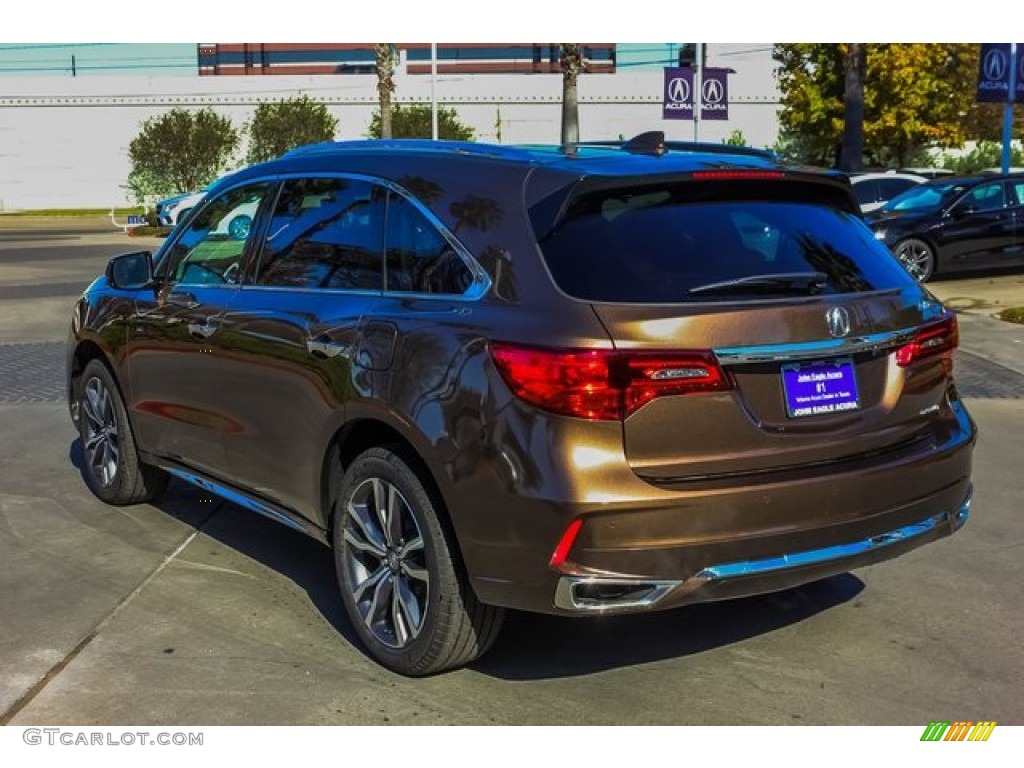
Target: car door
1017,198
295,331
979,228
174,355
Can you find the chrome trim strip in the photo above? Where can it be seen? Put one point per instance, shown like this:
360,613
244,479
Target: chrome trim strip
813,349
235,497
825,554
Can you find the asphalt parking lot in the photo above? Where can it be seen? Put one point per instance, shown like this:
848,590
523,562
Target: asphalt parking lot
193,611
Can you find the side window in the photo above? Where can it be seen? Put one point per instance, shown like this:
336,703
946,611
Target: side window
210,249
988,197
419,258
325,233
1018,191
866,191
889,188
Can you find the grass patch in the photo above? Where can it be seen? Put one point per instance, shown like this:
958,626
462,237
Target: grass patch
1013,315
67,212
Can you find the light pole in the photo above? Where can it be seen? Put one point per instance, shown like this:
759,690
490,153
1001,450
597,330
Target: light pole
1008,109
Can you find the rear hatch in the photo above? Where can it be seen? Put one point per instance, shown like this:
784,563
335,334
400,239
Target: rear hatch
769,289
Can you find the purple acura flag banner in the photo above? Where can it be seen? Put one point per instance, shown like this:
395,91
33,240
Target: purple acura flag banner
678,95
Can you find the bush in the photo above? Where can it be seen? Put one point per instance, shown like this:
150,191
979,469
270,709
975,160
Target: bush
987,154
284,125
413,122
180,151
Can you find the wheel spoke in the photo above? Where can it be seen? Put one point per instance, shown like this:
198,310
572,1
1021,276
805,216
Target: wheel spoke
393,531
91,405
397,619
371,533
414,571
94,440
416,545
381,601
369,583
362,544
380,505
410,607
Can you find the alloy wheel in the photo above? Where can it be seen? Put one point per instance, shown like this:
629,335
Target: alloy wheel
102,442
386,562
917,258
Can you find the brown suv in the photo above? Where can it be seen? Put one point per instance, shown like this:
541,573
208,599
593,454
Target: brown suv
579,380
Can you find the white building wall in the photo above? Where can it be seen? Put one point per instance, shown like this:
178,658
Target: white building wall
64,141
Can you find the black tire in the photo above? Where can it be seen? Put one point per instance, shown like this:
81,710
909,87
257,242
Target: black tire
454,627
111,464
917,257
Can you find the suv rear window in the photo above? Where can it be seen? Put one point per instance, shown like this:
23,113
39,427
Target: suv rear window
663,245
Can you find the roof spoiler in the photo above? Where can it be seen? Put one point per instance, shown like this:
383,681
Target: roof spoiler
653,143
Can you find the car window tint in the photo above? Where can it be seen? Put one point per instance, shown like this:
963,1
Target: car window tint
325,233
889,188
419,258
1018,191
211,246
616,246
987,197
865,191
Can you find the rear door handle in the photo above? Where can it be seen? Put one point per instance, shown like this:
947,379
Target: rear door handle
323,348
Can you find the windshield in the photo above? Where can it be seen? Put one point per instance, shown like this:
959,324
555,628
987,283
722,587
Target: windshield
926,197
656,246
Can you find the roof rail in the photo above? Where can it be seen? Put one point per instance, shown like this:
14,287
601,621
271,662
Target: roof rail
653,143
464,147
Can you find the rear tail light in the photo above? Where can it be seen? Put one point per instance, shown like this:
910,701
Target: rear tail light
602,383
939,338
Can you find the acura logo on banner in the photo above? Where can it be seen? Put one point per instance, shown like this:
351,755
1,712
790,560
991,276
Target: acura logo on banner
994,73
677,102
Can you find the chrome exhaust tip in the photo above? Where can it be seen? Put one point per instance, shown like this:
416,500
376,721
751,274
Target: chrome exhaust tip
593,594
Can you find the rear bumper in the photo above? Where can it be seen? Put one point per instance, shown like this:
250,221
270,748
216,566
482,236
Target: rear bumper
650,548
596,594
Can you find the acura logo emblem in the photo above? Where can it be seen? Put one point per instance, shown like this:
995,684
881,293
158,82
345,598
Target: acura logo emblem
994,65
679,89
712,91
838,321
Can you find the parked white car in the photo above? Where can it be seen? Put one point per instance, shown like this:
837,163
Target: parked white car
873,190
172,210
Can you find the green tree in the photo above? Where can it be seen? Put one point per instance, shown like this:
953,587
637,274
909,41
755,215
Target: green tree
735,139
180,151
281,126
413,122
915,96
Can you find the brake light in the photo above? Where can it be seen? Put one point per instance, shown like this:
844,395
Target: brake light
604,384
731,175
939,338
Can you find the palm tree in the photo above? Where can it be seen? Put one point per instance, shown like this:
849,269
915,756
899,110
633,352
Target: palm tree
572,64
851,156
384,58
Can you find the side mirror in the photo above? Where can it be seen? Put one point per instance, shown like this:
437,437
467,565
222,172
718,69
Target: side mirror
130,271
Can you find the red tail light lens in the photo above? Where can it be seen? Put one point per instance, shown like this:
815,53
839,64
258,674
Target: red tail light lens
934,339
602,383
561,553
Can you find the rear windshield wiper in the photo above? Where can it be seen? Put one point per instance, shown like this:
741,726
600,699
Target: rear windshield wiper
806,282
